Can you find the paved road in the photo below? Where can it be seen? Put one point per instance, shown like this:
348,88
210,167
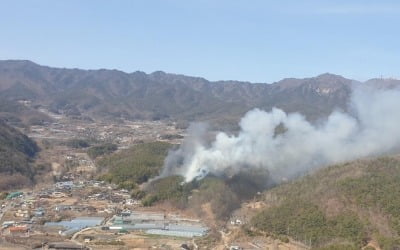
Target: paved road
73,238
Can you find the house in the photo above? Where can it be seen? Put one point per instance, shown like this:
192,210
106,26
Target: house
236,222
7,224
44,195
64,185
39,212
19,231
58,195
22,213
59,208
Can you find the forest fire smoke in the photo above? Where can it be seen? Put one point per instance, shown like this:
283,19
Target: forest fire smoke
369,128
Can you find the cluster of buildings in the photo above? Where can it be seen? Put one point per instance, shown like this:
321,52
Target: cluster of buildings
157,223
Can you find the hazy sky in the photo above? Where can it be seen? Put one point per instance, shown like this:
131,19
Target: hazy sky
259,41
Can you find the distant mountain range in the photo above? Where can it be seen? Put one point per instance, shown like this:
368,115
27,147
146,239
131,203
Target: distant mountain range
110,94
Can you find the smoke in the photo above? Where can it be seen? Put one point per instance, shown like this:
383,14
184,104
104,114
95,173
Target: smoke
370,128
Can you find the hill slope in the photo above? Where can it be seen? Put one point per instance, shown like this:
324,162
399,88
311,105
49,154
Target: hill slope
352,204
16,154
20,115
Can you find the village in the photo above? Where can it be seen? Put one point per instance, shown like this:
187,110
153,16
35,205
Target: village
72,210
96,215
83,214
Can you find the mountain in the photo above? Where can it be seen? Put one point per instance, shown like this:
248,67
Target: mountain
104,94
345,206
16,156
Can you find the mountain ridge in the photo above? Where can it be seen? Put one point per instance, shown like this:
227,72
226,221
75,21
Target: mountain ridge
158,95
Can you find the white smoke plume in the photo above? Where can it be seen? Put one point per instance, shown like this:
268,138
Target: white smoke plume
372,127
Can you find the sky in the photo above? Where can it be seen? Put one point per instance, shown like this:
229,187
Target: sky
249,40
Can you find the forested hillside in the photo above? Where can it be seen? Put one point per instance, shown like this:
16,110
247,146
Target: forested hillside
353,203
135,165
16,154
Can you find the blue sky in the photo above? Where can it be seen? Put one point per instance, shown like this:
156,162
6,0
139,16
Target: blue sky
258,41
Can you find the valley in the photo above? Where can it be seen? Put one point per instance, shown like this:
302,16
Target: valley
79,175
